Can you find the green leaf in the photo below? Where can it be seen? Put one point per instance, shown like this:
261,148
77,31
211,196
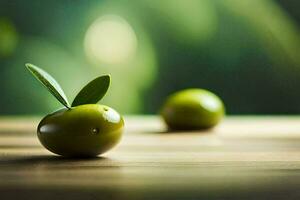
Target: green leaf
49,82
93,92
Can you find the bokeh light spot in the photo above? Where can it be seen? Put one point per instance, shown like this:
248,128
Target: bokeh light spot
110,40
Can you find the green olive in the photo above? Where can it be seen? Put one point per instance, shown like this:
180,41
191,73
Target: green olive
192,109
82,131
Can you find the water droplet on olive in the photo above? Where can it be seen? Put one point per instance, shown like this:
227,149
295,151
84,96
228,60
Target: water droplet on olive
95,131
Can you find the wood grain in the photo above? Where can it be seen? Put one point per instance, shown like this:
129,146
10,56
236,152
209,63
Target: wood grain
243,158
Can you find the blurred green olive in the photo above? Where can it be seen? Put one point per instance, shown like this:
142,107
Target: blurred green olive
192,109
82,131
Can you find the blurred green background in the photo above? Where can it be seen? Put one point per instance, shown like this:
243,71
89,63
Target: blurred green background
246,51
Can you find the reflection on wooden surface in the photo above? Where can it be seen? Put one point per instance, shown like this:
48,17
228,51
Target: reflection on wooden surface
243,158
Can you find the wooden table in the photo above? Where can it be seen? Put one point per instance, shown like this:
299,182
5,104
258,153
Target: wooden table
243,158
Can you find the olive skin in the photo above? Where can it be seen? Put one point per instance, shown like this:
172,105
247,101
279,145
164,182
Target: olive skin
82,131
192,109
